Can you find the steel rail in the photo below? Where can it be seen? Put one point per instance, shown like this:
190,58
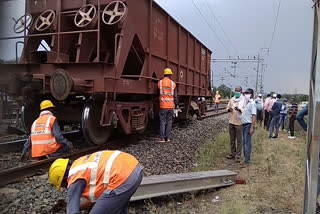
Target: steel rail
40,167
17,145
162,185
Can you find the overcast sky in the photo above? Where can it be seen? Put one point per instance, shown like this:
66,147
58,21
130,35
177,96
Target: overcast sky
248,25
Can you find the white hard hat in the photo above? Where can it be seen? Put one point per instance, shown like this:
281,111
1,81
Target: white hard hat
259,95
274,95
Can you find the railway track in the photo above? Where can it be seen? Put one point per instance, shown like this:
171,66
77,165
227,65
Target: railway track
37,168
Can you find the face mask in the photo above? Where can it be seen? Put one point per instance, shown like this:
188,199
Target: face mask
247,96
237,94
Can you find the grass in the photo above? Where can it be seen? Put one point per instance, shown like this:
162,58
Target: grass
212,151
275,179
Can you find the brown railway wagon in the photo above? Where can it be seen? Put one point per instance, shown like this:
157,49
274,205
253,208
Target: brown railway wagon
100,63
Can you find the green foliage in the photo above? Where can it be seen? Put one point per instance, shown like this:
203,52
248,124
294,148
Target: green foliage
7,61
224,91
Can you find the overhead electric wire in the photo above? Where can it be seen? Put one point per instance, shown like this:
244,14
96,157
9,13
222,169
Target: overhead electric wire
212,12
211,28
275,25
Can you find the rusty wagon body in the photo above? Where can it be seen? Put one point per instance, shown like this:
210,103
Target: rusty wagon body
100,62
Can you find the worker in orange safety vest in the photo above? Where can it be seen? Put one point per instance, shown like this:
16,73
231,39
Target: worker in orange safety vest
106,179
168,101
46,139
217,98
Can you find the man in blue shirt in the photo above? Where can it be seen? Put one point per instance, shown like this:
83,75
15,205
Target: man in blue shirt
248,119
276,109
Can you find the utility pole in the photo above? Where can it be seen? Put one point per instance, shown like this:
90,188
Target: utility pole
257,79
222,79
234,66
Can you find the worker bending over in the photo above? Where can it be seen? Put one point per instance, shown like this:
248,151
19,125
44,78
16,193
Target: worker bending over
168,101
46,139
107,179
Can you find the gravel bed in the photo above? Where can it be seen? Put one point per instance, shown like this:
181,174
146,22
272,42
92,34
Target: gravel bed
37,195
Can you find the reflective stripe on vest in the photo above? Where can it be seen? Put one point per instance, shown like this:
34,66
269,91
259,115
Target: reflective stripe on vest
167,99
43,141
93,166
167,93
107,171
167,89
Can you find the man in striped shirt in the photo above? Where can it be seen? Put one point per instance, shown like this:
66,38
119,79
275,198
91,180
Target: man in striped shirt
292,117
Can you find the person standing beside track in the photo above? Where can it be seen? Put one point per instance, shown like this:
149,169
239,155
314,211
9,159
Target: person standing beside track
248,120
292,117
271,102
275,121
284,114
266,111
46,139
107,179
217,99
236,106
168,101
259,104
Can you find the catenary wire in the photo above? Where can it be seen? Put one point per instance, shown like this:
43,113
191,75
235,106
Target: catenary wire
211,28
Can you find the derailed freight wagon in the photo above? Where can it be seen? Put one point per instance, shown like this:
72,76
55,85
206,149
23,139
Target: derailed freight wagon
100,62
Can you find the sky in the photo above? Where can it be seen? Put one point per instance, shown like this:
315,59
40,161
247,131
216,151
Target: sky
231,28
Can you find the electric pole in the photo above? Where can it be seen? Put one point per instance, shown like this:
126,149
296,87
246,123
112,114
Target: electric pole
257,78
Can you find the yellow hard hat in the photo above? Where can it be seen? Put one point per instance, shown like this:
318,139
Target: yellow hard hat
217,92
46,104
57,171
167,71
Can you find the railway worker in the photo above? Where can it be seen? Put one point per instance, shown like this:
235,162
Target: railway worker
168,101
217,99
235,106
259,104
107,179
248,119
266,111
46,139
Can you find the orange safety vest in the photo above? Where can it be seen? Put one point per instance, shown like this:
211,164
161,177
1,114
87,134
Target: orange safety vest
102,170
217,98
43,141
167,87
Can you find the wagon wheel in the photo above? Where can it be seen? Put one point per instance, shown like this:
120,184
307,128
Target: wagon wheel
92,130
113,12
22,23
45,20
85,15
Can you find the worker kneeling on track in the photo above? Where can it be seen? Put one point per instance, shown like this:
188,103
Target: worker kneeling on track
107,179
46,139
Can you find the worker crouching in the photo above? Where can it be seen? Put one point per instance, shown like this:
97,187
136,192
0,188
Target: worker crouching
46,139
107,179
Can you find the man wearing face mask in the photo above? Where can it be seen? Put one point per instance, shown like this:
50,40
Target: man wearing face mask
235,106
248,120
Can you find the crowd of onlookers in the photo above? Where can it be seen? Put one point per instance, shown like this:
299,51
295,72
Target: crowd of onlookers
273,112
